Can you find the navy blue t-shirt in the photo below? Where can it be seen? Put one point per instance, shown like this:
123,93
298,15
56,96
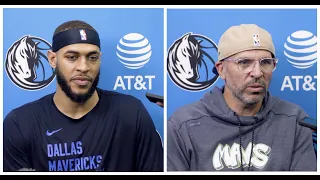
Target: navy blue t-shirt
118,134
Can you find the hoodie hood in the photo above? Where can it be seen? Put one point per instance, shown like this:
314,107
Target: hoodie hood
216,106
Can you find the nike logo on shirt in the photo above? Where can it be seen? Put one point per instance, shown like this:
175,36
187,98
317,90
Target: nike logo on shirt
51,133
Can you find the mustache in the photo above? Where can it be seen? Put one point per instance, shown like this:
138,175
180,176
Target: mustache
256,81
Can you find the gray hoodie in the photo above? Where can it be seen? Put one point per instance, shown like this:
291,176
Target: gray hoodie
207,136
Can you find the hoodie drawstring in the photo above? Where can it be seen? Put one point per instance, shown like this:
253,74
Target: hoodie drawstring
240,142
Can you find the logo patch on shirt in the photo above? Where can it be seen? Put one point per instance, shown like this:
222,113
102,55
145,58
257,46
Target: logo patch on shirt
52,132
194,124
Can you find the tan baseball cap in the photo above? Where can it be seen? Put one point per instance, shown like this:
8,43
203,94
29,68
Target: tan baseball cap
244,37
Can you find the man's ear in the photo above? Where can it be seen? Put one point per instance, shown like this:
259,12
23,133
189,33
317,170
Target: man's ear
221,69
52,58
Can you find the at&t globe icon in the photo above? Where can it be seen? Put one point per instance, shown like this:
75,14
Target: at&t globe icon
134,50
301,49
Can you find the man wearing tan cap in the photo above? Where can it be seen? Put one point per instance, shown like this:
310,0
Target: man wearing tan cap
241,126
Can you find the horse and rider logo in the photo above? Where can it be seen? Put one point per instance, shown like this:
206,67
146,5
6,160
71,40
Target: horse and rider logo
190,62
27,65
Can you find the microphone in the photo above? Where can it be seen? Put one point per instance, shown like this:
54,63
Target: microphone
307,122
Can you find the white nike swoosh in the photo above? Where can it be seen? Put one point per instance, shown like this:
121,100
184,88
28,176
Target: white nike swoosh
51,133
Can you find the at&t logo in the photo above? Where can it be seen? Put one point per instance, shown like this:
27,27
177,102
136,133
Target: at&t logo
134,51
300,50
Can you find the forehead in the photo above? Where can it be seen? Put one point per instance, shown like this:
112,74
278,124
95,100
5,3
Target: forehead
81,48
257,53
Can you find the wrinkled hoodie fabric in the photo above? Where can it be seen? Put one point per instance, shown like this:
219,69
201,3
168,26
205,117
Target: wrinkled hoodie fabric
207,136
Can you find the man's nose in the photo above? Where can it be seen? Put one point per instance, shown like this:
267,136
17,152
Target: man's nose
83,65
256,70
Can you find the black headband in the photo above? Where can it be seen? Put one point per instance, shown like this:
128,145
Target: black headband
74,36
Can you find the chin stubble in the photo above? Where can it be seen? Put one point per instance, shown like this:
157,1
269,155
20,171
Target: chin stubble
79,98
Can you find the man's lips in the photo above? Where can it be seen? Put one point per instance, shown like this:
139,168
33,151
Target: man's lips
82,78
256,86
82,81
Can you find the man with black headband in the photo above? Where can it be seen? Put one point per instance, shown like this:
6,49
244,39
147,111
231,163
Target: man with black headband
80,127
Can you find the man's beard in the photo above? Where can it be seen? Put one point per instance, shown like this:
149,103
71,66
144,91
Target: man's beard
239,92
78,98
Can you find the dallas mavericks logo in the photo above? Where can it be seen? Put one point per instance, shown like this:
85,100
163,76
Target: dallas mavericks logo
189,60
25,66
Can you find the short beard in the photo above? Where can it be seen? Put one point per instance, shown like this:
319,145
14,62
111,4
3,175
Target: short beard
78,98
240,91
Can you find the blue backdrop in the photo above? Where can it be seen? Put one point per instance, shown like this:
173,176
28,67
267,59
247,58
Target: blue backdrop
292,30
118,29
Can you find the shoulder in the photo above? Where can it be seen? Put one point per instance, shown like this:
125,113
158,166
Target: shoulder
25,117
30,108
119,99
129,109
188,112
285,107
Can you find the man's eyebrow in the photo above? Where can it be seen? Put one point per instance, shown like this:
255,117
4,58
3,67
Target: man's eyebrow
71,51
93,52
244,57
248,57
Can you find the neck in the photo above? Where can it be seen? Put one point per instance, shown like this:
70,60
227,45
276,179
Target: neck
73,109
239,107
